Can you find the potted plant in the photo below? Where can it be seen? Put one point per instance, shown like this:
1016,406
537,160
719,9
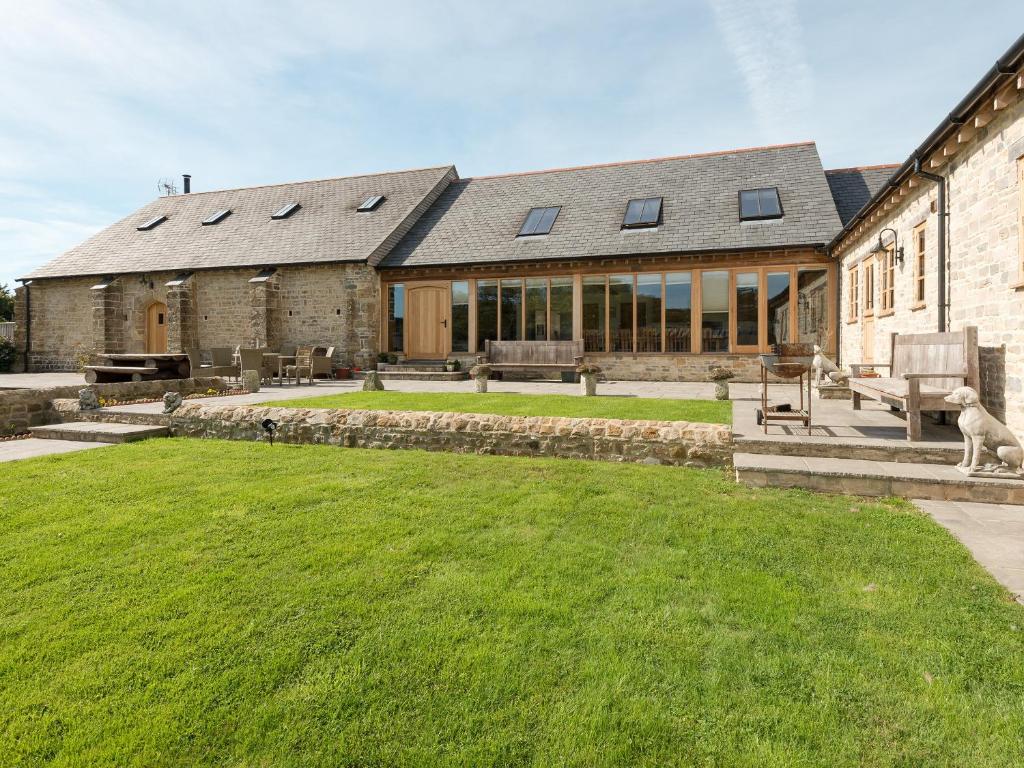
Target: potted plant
721,377
392,359
480,373
452,365
588,379
342,373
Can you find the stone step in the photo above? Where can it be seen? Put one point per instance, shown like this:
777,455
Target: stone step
846,448
417,375
410,368
98,432
873,478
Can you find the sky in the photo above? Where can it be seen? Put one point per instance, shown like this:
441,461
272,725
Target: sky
99,101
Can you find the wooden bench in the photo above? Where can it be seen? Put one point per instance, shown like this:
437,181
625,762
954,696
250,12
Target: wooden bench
137,367
923,369
554,356
105,374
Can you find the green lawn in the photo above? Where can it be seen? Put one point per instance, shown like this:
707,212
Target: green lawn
191,603
507,404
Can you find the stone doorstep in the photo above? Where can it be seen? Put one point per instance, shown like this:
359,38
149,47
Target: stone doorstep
873,478
845,448
99,432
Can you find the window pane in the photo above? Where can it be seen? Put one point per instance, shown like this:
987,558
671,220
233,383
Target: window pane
532,220
396,318
486,312
678,311
561,309
812,306
648,313
746,309
749,206
593,314
547,219
778,308
652,210
536,309
620,307
460,316
769,199
714,292
511,310
634,211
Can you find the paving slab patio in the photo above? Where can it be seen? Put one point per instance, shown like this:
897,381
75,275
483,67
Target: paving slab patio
994,534
29,448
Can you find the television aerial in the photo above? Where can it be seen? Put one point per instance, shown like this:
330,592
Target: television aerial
166,186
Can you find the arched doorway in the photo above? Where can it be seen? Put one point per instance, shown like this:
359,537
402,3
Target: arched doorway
156,328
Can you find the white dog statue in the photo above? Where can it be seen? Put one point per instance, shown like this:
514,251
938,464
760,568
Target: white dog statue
982,430
824,367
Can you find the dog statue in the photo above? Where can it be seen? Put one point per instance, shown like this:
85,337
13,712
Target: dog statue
824,367
982,430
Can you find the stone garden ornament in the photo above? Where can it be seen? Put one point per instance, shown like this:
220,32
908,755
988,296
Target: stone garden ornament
982,430
172,401
251,381
372,382
87,400
823,367
721,378
588,379
480,374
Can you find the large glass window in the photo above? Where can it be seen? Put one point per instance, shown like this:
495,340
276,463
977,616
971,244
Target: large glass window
746,309
536,309
678,311
511,310
714,300
812,307
561,309
594,313
460,316
620,308
778,307
486,312
648,313
396,318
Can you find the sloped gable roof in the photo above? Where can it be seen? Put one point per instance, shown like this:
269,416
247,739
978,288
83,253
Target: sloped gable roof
326,228
476,220
853,187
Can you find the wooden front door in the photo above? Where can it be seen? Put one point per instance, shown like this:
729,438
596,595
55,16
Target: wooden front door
156,328
426,322
867,339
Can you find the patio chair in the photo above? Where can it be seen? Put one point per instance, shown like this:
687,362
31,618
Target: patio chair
255,360
303,365
287,350
224,357
199,368
323,364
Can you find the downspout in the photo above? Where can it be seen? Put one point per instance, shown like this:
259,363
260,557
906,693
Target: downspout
28,320
943,224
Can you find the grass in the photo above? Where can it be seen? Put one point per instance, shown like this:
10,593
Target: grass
209,603
508,404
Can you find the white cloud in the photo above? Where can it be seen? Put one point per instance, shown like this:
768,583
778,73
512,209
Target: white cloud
765,38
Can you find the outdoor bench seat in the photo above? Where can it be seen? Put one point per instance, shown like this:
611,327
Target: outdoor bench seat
532,355
924,368
99,374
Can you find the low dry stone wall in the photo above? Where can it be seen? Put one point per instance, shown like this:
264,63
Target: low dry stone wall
24,408
677,443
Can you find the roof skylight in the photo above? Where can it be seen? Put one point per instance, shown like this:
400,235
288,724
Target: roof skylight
216,218
759,204
148,225
539,221
642,212
285,212
371,203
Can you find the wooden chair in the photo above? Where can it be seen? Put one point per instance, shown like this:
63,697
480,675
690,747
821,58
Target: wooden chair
303,365
255,360
923,369
224,357
323,364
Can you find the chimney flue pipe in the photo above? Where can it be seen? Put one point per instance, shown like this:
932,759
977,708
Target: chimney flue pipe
187,179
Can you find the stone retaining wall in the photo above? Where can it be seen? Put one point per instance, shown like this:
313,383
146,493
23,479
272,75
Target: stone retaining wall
24,408
653,442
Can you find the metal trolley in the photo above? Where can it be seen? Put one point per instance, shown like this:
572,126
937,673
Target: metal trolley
787,361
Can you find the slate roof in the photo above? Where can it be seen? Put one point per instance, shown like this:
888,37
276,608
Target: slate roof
853,187
327,228
476,220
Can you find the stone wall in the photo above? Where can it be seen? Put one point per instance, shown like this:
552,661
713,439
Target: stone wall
653,442
332,305
676,367
985,281
24,408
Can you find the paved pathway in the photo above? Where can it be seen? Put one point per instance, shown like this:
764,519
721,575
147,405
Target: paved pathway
12,450
39,380
994,533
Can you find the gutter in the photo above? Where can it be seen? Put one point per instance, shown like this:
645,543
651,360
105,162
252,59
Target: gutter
943,211
1006,66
